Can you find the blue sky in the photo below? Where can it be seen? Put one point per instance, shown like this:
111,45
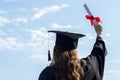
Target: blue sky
24,38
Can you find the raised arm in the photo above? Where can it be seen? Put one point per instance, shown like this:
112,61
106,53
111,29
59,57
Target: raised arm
97,56
98,29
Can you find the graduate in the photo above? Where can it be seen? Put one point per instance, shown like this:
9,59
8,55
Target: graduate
66,64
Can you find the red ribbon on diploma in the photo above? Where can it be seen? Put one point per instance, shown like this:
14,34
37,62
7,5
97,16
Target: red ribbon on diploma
91,18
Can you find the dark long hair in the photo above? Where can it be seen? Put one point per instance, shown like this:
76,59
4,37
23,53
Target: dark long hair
66,64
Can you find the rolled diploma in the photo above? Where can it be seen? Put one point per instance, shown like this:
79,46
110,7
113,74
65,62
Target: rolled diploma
89,12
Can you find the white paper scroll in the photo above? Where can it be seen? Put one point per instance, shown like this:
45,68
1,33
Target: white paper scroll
89,12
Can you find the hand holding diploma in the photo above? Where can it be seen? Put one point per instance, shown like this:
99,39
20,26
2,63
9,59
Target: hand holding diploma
93,20
98,29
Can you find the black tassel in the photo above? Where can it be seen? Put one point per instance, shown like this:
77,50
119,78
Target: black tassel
49,56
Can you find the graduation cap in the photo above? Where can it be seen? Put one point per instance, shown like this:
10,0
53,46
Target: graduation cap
66,40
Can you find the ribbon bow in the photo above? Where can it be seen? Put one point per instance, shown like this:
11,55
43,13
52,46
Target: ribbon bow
91,18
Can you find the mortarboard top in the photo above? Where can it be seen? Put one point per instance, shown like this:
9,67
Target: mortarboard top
67,40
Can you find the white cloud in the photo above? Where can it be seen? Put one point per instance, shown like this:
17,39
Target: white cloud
108,34
59,26
109,75
2,33
12,44
23,9
114,71
3,21
2,12
44,11
39,58
91,36
10,0
35,9
8,43
19,20
39,34
37,44
38,41
114,61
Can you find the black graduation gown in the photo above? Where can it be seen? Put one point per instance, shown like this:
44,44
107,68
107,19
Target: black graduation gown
94,67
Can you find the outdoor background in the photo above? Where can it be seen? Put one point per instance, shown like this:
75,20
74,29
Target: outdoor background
24,38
